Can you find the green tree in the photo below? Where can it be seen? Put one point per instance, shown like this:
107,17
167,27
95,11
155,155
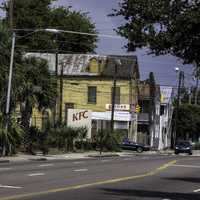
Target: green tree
164,26
41,14
37,88
9,138
188,122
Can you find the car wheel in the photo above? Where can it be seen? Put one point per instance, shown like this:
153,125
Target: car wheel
176,152
139,149
190,153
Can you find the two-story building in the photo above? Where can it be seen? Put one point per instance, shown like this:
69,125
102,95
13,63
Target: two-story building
87,83
149,116
166,112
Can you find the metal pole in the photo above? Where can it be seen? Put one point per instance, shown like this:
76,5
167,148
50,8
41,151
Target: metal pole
55,109
61,94
113,99
196,91
177,106
11,14
10,75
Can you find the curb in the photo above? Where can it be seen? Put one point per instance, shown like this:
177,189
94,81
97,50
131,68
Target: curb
4,161
103,156
37,159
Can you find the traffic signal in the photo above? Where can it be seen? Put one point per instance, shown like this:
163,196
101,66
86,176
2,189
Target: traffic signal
137,108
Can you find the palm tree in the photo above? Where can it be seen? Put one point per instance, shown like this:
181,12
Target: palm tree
37,89
10,137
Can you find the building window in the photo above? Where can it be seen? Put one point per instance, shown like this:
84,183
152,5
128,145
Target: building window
68,106
92,94
162,110
145,106
117,95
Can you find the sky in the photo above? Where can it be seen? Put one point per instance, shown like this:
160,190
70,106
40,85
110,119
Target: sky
98,10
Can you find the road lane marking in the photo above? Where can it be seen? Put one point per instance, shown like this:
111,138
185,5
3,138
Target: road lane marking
80,170
5,168
46,165
10,186
145,158
105,160
198,190
189,166
78,162
76,187
36,174
127,159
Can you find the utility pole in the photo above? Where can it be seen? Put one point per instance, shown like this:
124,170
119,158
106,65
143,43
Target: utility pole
190,96
181,75
11,14
56,77
61,94
197,73
196,91
113,99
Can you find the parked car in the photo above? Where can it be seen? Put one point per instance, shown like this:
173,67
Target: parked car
183,147
130,145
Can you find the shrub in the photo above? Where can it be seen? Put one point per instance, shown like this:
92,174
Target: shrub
197,146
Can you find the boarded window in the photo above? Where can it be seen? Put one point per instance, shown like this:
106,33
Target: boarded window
117,95
92,94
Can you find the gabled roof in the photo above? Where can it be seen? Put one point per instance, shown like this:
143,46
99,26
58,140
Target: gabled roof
127,69
77,64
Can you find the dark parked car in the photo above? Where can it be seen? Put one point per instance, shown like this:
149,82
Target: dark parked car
130,145
183,147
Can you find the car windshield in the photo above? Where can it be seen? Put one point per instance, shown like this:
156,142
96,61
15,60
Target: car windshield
184,143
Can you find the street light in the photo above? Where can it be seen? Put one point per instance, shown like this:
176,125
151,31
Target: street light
11,67
181,75
51,30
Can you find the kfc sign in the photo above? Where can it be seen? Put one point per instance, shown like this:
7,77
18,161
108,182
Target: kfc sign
80,118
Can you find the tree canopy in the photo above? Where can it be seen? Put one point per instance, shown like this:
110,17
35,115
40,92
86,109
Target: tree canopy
165,26
188,124
41,14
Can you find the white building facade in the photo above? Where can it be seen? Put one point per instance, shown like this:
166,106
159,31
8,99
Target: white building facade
166,112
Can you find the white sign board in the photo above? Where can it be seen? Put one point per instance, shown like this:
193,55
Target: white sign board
118,107
80,118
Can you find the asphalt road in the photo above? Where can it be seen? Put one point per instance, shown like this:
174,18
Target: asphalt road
135,178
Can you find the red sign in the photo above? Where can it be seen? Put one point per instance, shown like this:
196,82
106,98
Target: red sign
79,116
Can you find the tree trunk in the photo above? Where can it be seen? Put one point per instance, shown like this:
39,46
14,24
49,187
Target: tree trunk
26,113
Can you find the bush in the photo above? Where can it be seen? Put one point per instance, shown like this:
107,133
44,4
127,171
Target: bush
107,141
196,146
35,139
84,145
64,137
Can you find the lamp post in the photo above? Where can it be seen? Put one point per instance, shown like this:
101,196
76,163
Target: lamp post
180,79
10,77
11,67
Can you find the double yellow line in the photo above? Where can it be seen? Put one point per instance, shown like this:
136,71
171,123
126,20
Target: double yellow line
75,187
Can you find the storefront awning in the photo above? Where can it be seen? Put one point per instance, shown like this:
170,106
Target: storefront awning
118,116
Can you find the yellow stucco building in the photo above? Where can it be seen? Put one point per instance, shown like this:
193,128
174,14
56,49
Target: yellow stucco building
86,82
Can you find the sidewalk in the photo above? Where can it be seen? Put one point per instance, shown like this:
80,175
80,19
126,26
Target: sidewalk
89,155
68,156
